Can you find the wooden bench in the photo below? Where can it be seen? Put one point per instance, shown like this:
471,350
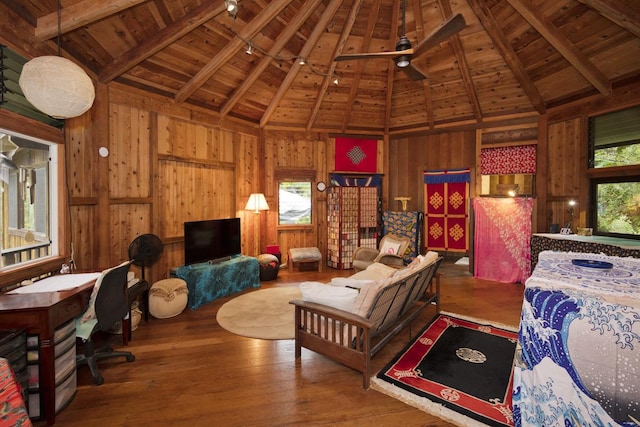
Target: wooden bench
301,256
352,339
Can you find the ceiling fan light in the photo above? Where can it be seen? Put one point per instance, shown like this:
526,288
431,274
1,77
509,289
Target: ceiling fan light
403,61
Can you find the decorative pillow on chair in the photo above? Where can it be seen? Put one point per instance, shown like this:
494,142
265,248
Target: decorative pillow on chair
339,297
390,247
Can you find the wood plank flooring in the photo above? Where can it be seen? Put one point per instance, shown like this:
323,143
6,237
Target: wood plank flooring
190,372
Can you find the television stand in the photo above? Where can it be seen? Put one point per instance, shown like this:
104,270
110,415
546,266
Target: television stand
209,280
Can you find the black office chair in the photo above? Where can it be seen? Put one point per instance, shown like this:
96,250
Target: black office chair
108,305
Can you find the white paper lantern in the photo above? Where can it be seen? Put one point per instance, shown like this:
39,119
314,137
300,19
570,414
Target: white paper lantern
57,86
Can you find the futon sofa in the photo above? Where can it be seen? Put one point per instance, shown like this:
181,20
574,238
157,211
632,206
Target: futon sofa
350,319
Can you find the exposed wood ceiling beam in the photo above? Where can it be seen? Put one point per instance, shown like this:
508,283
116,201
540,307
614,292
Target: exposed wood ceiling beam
568,50
79,14
461,58
624,16
160,40
320,27
288,32
395,23
344,35
359,66
426,84
251,29
490,25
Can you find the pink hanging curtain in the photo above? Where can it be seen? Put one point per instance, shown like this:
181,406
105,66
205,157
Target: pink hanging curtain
502,250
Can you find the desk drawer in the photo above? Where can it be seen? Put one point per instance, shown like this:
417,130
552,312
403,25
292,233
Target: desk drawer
67,309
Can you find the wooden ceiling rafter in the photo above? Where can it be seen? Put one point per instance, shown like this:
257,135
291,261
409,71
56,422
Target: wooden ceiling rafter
330,74
289,31
568,50
461,58
618,13
78,15
160,40
324,20
488,22
426,83
251,29
359,66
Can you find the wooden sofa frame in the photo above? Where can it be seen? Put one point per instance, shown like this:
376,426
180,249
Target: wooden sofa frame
353,340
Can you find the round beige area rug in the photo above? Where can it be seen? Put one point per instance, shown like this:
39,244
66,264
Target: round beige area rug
264,314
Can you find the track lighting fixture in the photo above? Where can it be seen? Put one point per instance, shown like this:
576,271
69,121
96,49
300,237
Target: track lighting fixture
301,61
249,50
335,80
232,7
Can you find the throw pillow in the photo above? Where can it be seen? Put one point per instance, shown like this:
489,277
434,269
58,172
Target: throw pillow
333,296
390,247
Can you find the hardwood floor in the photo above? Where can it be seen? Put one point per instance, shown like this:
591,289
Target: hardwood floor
190,372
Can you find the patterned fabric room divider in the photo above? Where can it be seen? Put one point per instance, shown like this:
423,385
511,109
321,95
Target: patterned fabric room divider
447,209
405,224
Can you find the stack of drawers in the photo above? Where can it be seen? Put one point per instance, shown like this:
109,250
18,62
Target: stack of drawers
65,369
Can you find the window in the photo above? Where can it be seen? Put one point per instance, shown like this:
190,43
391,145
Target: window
29,223
294,202
614,145
615,139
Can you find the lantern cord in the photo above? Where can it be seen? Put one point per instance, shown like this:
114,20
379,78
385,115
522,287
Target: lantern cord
59,30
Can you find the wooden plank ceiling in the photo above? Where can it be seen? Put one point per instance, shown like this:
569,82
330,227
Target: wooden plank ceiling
513,56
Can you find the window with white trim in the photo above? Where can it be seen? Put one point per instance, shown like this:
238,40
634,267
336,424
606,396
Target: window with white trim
28,179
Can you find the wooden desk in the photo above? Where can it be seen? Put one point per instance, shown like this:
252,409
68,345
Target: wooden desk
40,314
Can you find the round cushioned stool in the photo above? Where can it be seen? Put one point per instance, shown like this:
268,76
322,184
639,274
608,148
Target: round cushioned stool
167,298
269,266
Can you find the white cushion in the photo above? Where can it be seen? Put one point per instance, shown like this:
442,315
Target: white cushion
333,296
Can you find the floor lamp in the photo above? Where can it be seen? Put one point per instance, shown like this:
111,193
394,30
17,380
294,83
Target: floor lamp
257,203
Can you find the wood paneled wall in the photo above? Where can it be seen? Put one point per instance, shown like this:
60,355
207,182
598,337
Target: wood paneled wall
171,163
410,157
167,164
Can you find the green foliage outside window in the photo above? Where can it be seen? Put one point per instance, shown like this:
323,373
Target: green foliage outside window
615,142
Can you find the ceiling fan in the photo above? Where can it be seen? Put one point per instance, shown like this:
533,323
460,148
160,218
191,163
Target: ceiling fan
404,52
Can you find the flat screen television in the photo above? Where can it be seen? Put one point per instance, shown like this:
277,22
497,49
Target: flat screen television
211,240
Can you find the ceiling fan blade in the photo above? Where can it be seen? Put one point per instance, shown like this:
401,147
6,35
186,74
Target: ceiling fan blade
440,34
414,72
371,55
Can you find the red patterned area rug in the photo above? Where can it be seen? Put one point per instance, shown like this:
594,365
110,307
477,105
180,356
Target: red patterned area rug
458,369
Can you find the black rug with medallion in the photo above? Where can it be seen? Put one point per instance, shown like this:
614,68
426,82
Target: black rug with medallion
458,369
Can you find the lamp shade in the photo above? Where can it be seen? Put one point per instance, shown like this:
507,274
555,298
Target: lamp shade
56,86
257,203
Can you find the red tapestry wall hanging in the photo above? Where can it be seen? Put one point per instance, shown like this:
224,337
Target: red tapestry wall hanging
356,155
446,209
508,160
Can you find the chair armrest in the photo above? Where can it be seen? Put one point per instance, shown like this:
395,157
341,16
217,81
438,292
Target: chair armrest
391,260
365,254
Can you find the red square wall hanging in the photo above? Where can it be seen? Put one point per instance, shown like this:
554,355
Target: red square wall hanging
356,155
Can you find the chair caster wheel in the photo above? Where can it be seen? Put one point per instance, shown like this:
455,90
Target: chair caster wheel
98,380
131,358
